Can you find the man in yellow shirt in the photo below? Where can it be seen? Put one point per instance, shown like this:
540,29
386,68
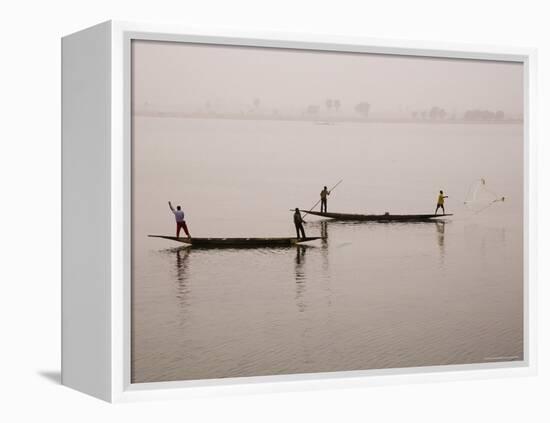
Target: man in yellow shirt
441,202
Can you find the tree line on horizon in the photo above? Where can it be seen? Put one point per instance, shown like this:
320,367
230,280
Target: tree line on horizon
438,113
331,108
333,105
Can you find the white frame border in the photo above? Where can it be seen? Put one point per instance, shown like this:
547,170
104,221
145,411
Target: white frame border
121,389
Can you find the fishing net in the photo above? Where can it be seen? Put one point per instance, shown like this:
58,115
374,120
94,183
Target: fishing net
480,197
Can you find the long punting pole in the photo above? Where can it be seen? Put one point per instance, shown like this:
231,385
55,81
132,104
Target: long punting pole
315,205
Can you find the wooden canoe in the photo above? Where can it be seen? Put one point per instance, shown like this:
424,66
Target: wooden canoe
238,242
378,217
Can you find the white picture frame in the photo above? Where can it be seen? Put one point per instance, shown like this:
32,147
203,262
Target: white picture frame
96,134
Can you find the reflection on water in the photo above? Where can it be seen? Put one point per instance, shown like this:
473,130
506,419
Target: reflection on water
324,232
440,227
182,255
395,296
325,251
182,262
300,276
300,260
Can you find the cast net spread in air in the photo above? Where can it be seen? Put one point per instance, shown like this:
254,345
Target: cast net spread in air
480,196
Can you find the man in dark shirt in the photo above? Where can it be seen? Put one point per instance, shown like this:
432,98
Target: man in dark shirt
299,223
324,194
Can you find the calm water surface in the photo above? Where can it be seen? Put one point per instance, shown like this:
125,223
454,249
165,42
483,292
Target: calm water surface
371,296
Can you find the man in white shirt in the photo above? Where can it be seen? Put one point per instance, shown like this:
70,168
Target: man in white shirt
180,220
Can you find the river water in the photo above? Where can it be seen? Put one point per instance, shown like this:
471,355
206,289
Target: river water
371,296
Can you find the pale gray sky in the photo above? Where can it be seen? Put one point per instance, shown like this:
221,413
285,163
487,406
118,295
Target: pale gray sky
184,75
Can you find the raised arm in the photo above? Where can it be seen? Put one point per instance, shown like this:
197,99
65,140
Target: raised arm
170,205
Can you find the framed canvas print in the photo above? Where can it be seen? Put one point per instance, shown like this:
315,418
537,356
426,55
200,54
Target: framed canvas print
253,212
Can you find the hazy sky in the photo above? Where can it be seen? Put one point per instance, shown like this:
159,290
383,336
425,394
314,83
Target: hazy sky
189,75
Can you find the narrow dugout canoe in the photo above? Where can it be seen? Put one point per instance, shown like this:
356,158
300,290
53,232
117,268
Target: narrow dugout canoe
378,217
238,242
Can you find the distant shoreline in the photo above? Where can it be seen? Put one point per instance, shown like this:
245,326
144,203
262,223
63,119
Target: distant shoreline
327,122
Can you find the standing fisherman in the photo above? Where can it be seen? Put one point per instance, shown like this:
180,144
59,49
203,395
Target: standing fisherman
324,194
299,223
441,202
180,220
